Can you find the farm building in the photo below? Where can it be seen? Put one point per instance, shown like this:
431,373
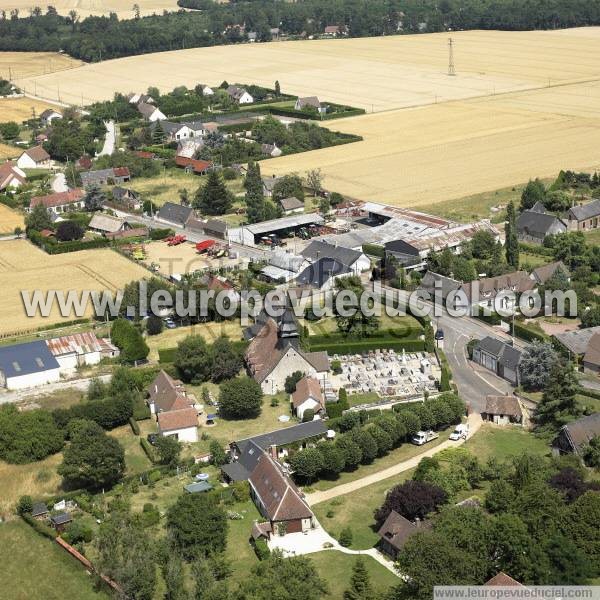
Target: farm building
49,115
322,274
11,176
114,175
191,165
61,201
251,235
27,365
498,357
283,266
502,410
174,214
534,226
78,349
291,206
357,261
308,396
34,158
106,224
574,436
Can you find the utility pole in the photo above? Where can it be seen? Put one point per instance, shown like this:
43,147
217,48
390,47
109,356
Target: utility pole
451,69
9,73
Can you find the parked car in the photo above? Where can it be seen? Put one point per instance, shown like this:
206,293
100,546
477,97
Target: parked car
460,432
439,334
422,437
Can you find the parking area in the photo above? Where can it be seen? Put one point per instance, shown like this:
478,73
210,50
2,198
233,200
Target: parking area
387,373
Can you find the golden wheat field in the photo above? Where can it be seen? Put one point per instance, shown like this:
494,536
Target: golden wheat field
25,267
374,73
86,8
21,109
30,64
7,151
9,219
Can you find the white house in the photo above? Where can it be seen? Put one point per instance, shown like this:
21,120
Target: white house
271,150
150,113
11,176
137,98
181,424
310,102
357,261
34,158
60,202
49,115
27,365
239,95
307,396
206,90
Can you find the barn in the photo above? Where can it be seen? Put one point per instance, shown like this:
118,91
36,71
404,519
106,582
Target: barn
27,365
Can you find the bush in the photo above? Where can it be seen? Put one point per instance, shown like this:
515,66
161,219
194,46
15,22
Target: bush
160,234
374,250
240,398
149,450
261,549
345,538
154,325
309,415
25,505
40,526
77,531
134,426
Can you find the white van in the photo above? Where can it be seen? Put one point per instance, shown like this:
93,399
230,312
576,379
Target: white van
460,432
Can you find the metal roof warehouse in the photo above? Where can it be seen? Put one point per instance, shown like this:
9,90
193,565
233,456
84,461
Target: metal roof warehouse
248,233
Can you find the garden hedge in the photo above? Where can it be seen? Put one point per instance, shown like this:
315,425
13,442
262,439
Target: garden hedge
40,526
149,450
134,426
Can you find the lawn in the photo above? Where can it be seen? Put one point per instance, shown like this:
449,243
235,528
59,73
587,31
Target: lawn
504,442
593,237
63,398
366,398
34,568
398,455
166,186
329,324
532,261
335,568
136,460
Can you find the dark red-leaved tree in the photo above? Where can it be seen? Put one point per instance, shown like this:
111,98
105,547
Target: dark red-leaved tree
411,499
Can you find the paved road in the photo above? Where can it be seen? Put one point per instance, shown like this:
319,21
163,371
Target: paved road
33,393
110,139
474,421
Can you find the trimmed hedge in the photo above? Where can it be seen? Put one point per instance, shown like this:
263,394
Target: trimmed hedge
410,345
261,549
590,393
40,526
160,234
537,249
51,246
134,426
529,335
167,355
374,250
149,450
160,151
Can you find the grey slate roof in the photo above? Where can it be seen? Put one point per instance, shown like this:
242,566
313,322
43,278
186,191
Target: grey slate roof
61,518
317,274
577,341
290,435
291,203
38,509
24,359
175,213
506,355
538,224
318,249
587,211
428,284
581,431
538,207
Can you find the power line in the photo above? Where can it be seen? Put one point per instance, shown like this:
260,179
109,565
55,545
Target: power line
451,69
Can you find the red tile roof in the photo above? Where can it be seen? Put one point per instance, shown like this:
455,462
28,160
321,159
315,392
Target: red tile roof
199,166
144,154
121,172
7,173
58,199
503,579
166,393
178,419
307,387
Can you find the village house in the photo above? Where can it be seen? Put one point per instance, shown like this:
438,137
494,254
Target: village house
187,148
576,342
174,214
205,89
502,410
112,176
150,112
269,184
533,226
39,511
271,357
191,165
49,115
576,435
335,30
11,176
483,292
271,150
183,131
34,158
585,216
310,102
278,500
308,396
239,95
60,521
127,197
291,206
27,365
356,261
545,272
106,224
60,202
175,411
498,357
322,274
591,358
396,531
439,287
503,580
137,98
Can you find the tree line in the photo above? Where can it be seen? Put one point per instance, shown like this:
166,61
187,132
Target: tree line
97,38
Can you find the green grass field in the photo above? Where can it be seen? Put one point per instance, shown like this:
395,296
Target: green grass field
335,568
505,442
35,568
